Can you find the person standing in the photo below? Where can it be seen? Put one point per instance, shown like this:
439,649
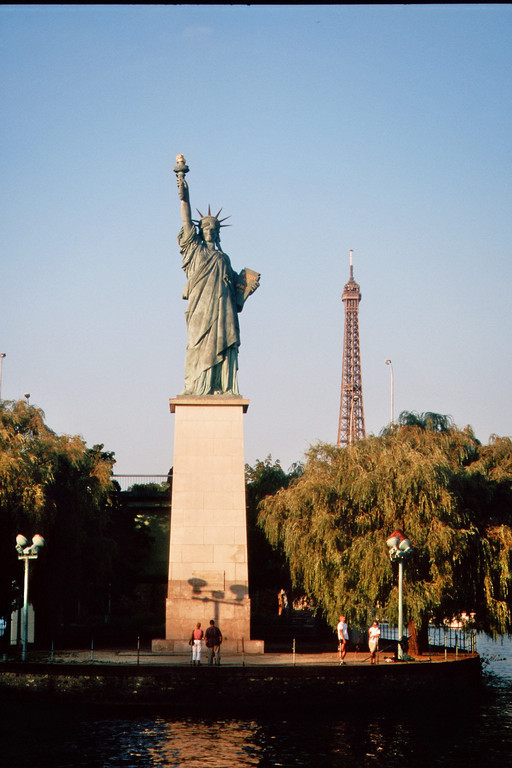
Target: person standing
285,603
373,640
342,638
282,602
213,637
197,644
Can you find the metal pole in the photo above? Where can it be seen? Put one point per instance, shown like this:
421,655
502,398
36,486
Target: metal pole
25,612
400,608
392,404
2,355
392,396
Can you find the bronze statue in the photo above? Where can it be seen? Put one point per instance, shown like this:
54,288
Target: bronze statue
215,295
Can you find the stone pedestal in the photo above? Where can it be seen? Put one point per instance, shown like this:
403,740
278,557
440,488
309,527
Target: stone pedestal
208,571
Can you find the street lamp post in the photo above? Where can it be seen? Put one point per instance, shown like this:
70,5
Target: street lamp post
27,553
2,355
400,548
388,362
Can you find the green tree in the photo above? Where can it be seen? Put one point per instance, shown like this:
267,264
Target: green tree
56,486
450,495
435,422
267,564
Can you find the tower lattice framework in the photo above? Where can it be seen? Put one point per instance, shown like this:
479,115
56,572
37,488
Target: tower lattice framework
351,424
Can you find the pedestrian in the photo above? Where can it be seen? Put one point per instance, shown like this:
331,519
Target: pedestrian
373,640
196,641
342,638
213,637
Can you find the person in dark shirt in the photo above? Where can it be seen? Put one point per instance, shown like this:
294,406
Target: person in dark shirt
213,637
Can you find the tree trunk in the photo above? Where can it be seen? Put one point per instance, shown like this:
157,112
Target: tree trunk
418,638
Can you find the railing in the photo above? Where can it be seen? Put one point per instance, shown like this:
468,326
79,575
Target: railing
458,638
446,637
126,481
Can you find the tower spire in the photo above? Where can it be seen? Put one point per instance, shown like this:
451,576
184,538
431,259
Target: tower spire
351,423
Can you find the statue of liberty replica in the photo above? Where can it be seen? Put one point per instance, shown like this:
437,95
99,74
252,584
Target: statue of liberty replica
215,295
208,568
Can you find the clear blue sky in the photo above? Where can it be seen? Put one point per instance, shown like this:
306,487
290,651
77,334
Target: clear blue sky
385,129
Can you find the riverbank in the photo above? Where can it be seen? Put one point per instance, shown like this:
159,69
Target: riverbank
248,683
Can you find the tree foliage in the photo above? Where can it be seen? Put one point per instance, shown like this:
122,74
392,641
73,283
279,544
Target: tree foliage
434,422
448,493
267,565
56,486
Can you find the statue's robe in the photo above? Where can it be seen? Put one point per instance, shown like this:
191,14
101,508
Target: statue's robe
213,339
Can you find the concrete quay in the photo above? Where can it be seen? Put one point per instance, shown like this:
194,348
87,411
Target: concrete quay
240,684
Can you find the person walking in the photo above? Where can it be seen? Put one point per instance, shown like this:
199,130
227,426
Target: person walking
197,644
213,637
373,640
342,638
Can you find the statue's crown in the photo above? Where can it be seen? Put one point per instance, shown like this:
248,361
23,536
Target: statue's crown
211,216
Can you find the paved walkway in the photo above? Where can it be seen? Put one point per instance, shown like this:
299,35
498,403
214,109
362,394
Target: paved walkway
145,658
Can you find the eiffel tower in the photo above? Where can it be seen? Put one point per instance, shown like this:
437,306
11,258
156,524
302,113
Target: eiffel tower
351,425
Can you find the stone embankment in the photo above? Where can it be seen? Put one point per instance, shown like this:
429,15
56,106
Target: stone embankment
240,684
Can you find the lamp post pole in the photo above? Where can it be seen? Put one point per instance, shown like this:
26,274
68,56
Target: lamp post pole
24,634
2,355
388,362
400,607
26,553
400,549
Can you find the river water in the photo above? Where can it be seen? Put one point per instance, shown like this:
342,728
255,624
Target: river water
475,732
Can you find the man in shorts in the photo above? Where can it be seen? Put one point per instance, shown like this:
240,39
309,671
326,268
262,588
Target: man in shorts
342,638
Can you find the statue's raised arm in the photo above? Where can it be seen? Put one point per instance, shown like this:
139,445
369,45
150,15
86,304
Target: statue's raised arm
180,169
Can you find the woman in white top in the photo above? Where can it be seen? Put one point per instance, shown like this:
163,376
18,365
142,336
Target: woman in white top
373,640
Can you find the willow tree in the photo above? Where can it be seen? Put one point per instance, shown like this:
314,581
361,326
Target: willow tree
267,566
450,495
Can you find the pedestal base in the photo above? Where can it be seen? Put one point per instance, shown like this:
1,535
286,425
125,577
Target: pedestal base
208,571
228,646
